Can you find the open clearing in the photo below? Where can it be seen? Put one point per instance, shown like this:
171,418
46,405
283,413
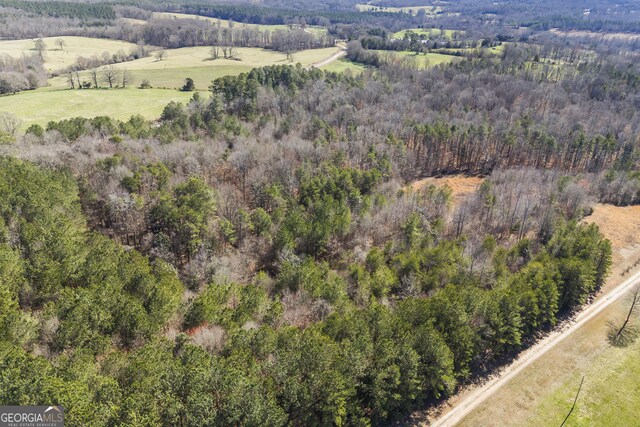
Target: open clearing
231,24
196,63
461,186
422,60
596,35
43,106
215,21
413,10
609,395
543,391
55,102
620,224
428,32
342,65
55,58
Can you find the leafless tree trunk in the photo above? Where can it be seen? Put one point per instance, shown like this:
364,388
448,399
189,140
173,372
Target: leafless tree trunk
126,77
111,75
70,79
40,47
94,77
626,333
215,52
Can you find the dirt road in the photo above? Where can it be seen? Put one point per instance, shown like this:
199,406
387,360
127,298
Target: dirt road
330,59
473,398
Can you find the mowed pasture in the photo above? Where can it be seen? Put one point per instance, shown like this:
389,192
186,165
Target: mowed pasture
341,65
609,395
413,10
57,101
196,63
74,47
428,32
422,60
223,23
43,106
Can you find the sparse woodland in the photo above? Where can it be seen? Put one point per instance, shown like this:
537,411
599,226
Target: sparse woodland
256,257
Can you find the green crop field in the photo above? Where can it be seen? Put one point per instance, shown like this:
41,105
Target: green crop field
55,58
431,32
43,106
196,63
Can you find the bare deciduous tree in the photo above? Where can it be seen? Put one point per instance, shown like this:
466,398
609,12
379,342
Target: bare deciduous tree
126,77
111,75
627,332
9,123
40,46
94,77
215,52
61,43
71,79
161,55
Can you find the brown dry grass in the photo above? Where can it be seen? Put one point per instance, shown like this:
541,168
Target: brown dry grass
461,185
619,224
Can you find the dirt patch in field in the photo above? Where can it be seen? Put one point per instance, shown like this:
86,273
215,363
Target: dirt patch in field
461,185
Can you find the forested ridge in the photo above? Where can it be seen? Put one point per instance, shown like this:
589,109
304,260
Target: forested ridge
255,257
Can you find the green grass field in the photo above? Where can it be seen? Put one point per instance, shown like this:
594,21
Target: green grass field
56,59
609,395
55,102
342,65
430,32
196,63
423,60
43,106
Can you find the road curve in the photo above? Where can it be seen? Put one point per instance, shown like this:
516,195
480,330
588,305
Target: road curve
477,396
329,60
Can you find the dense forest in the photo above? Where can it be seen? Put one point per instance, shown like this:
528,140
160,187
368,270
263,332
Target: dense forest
268,254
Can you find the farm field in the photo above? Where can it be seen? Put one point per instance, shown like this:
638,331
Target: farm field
413,10
431,32
55,102
196,63
55,58
609,395
423,60
344,64
228,24
43,106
